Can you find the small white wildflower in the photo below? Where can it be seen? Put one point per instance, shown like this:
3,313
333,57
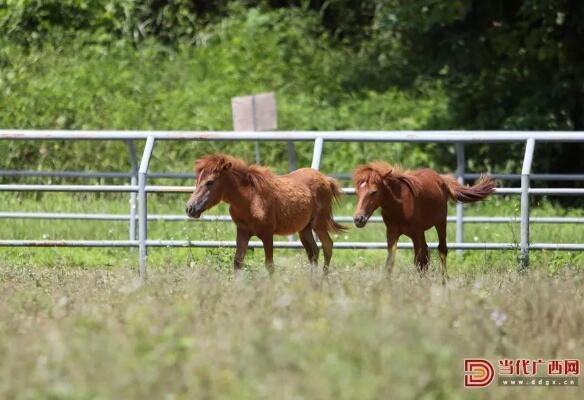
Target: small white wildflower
476,238
499,317
45,236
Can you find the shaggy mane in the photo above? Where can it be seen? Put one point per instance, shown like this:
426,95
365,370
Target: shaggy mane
258,176
380,171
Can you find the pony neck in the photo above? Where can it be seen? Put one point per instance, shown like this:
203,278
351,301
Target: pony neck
235,193
393,190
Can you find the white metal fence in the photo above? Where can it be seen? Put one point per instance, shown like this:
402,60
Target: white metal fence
139,189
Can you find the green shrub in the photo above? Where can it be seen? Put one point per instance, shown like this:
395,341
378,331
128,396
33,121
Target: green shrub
79,86
35,22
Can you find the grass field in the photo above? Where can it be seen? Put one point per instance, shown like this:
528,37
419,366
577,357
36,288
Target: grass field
75,324
193,230
73,333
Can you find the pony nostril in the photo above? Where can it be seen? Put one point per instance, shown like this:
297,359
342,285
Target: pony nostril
359,220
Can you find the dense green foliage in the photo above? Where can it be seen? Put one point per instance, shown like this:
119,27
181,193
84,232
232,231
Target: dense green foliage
506,64
157,64
32,22
75,85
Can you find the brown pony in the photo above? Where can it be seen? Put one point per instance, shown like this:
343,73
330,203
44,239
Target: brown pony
411,203
263,204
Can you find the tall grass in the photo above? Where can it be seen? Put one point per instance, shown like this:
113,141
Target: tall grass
193,332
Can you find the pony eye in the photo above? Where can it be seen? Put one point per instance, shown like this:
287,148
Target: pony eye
210,183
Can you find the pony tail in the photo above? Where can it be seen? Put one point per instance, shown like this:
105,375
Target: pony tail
484,187
336,189
336,194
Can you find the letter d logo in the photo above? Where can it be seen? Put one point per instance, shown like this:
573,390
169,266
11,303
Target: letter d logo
478,372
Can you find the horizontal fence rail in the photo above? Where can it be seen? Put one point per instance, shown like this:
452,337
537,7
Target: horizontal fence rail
189,189
327,136
191,176
279,244
138,188
227,218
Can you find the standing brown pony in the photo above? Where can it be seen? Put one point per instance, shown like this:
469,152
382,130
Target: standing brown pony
411,203
263,204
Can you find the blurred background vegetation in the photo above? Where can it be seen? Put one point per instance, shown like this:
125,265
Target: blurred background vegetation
334,64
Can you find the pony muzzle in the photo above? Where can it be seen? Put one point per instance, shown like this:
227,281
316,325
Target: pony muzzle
360,220
194,210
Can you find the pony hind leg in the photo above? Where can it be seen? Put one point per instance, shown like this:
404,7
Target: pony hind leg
242,242
327,246
310,245
442,249
268,242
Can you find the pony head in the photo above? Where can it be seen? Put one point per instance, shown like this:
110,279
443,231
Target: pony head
211,181
368,182
377,181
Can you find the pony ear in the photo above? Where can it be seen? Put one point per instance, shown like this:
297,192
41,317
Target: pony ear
388,175
226,166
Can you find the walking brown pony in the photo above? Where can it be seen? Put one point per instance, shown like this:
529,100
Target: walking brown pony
263,204
411,203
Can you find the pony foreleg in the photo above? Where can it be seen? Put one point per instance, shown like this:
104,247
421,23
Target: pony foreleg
421,258
443,267
268,242
442,249
242,242
392,237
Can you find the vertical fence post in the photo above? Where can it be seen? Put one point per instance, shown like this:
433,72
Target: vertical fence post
460,163
292,165
317,153
292,156
143,207
133,182
316,157
525,172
